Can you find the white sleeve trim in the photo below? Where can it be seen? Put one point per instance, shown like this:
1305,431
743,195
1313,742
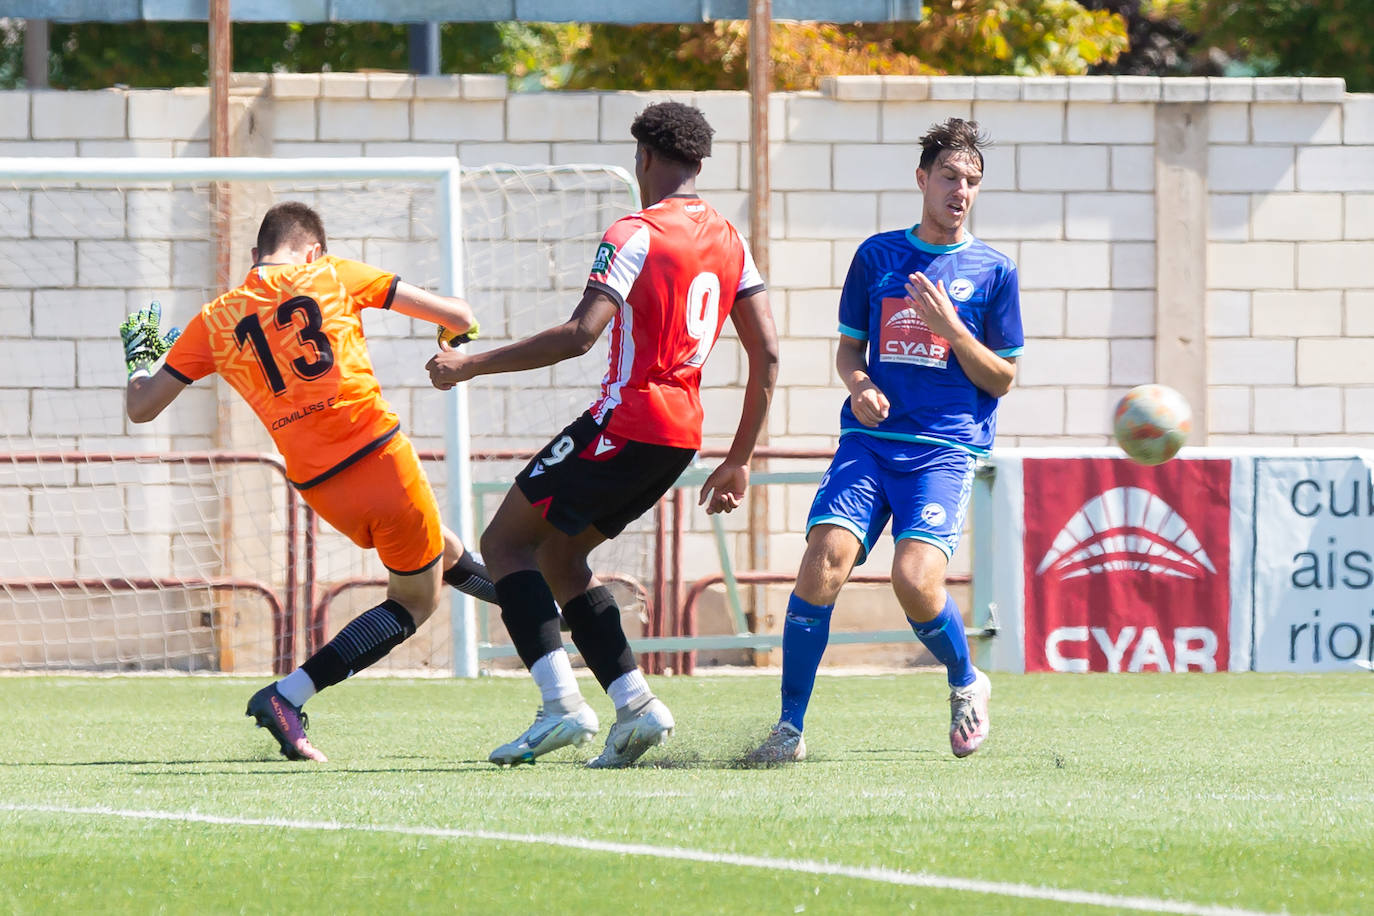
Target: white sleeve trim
628,262
749,278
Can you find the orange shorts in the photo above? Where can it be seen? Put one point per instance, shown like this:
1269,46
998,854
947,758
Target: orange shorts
384,500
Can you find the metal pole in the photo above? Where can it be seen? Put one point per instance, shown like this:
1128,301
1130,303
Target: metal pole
221,228
760,86
424,48
221,66
36,53
457,433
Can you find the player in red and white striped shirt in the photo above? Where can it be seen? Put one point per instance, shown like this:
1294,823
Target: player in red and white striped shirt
664,280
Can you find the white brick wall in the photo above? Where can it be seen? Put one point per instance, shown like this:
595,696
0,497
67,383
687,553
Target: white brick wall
812,119
84,115
1296,314
1115,123
180,113
1109,216
14,115
1069,192
1305,124
442,119
1062,168
1296,217
874,168
796,166
1016,215
1347,265
1253,361
1314,409
553,116
359,119
1251,266
1250,168
1065,265
1336,168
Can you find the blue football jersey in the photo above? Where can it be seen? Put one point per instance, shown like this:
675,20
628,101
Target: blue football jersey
932,400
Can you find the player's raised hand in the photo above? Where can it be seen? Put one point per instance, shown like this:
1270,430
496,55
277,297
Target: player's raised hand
144,342
870,405
724,489
448,367
932,303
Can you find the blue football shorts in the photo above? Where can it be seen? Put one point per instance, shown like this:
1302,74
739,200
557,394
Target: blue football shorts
923,489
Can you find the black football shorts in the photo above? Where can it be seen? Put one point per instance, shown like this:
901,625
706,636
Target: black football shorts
587,476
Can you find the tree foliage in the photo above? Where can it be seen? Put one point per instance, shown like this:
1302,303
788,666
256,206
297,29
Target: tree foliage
1285,38
1015,37
1247,38
90,55
957,36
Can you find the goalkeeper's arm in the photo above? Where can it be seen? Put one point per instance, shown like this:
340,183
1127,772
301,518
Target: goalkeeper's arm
453,315
147,394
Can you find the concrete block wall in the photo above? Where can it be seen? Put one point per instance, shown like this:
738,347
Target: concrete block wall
1071,192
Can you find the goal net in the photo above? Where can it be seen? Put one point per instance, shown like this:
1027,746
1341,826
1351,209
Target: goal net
178,544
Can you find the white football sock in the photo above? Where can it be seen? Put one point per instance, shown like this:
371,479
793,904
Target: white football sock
627,688
553,675
296,687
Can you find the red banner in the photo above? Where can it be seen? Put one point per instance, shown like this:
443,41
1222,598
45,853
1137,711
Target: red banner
1127,567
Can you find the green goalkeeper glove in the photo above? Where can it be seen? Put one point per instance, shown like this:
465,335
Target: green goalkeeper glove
453,340
144,342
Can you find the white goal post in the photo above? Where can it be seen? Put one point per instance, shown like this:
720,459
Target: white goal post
74,226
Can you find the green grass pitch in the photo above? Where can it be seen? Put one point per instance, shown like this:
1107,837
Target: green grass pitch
1204,794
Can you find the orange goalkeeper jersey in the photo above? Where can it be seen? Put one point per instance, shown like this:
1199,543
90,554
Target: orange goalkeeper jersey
290,341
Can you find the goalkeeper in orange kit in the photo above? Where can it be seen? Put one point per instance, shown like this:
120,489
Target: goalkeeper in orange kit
290,341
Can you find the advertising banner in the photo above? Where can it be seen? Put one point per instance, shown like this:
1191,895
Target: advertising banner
1314,564
1126,568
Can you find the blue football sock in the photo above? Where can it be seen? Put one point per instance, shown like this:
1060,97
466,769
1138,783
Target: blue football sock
804,635
944,637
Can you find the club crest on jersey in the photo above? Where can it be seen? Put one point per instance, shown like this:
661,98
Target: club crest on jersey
605,254
603,448
960,289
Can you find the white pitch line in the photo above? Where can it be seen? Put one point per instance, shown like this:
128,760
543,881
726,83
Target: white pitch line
800,866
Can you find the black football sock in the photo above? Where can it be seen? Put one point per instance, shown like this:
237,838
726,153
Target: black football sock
594,619
365,640
530,615
470,577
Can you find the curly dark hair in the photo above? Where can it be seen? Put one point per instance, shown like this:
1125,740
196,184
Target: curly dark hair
289,222
674,130
956,135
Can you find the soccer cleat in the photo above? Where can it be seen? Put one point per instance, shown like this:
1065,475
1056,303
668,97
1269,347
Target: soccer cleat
284,722
784,744
549,732
628,741
968,715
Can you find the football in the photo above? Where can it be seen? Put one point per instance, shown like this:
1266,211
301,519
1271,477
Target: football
1151,423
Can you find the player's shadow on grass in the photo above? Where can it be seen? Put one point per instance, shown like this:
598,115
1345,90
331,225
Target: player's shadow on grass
690,760
129,763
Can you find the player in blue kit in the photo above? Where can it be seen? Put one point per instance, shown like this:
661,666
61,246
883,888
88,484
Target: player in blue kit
930,328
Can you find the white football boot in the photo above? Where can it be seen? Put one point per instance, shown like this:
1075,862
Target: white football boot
549,732
968,715
628,741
